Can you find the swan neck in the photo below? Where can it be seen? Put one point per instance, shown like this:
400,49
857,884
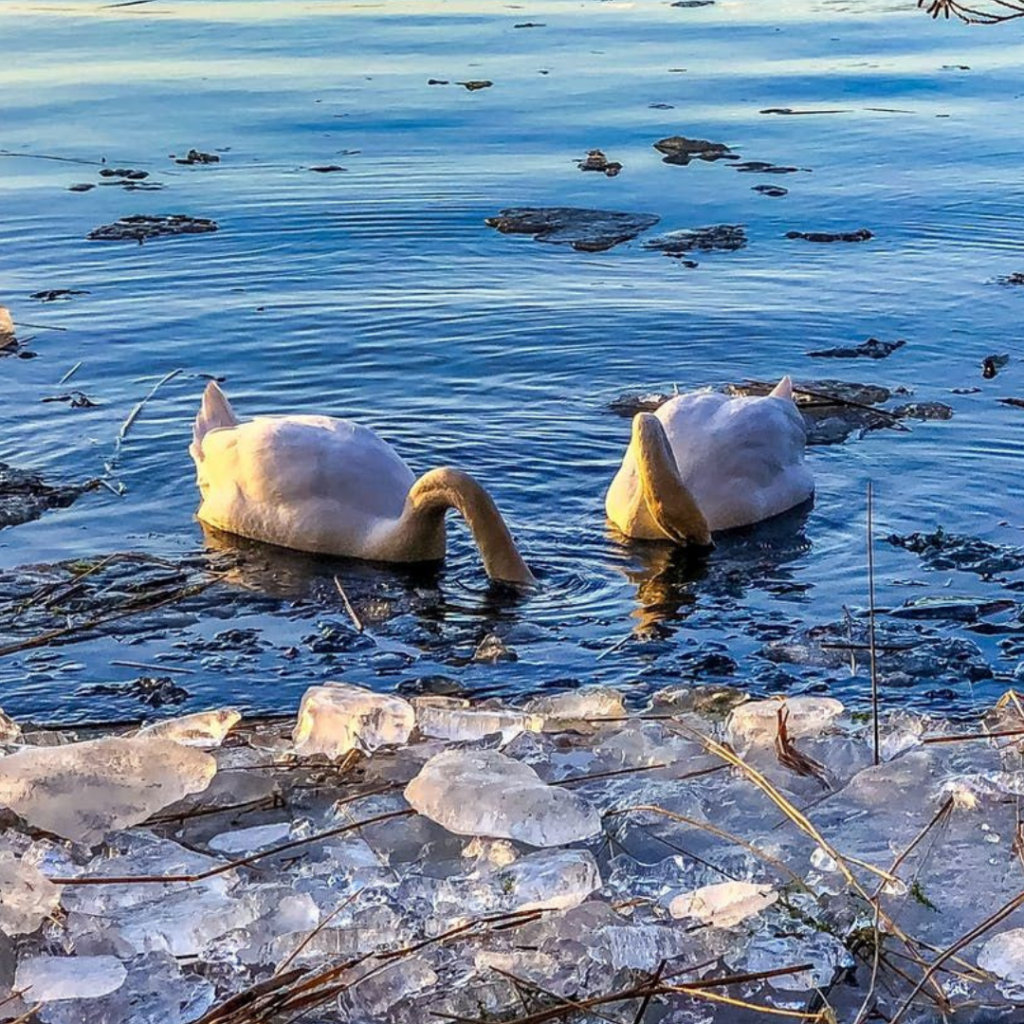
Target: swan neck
441,489
668,499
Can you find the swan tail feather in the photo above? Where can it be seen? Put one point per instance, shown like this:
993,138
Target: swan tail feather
214,413
784,389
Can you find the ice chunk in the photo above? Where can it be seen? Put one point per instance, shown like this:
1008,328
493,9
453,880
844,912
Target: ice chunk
757,721
340,717
1003,955
770,952
10,731
249,840
26,897
203,729
637,945
83,790
550,881
449,718
561,709
486,793
155,992
49,978
381,990
723,904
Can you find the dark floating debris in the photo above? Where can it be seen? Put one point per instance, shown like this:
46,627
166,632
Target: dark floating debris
75,399
944,551
583,229
724,237
678,149
437,81
597,161
25,496
139,227
530,24
126,173
923,411
1017,403
154,691
693,3
195,156
870,349
327,168
951,609
763,167
775,191
53,294
476,83
81,186
1016,278
790,112
660,106
991,365
860,235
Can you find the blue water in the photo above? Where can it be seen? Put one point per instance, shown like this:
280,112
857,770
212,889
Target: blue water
378,293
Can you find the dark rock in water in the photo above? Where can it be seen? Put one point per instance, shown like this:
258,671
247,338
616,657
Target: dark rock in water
194,156
437,81
327,168
775,191
53,294
693,3
81,186
944,551
336,638
597,161
956,609
870,349
139,227
991,365
126,173
245,641
155,691
477,83
1017,403
1012,279
860,235
583,229
726,237
678,149
923,411
763,167
660,106
24,496
529,24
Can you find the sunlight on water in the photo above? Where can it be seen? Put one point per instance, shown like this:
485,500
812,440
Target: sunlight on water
377,292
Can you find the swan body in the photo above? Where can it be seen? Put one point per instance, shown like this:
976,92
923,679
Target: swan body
330,486
706,462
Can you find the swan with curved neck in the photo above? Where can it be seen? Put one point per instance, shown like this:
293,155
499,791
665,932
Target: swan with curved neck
329,486
706,462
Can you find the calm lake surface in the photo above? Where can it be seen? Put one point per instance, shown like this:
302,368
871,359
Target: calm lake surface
379,293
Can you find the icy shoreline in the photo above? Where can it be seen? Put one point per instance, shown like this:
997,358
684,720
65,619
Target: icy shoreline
378,859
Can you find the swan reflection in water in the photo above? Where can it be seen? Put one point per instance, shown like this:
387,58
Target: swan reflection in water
671,582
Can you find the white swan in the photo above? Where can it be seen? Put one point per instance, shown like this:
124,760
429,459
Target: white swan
706,462
330,486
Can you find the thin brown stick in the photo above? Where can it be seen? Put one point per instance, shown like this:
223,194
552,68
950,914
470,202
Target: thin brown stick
356,621
873,654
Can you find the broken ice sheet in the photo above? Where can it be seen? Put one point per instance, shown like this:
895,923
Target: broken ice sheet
82,791
1003,956
488,794
202,729
340,717
757,721
458,720
577,706
724,904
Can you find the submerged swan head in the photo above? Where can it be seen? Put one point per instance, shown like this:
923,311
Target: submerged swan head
666,497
